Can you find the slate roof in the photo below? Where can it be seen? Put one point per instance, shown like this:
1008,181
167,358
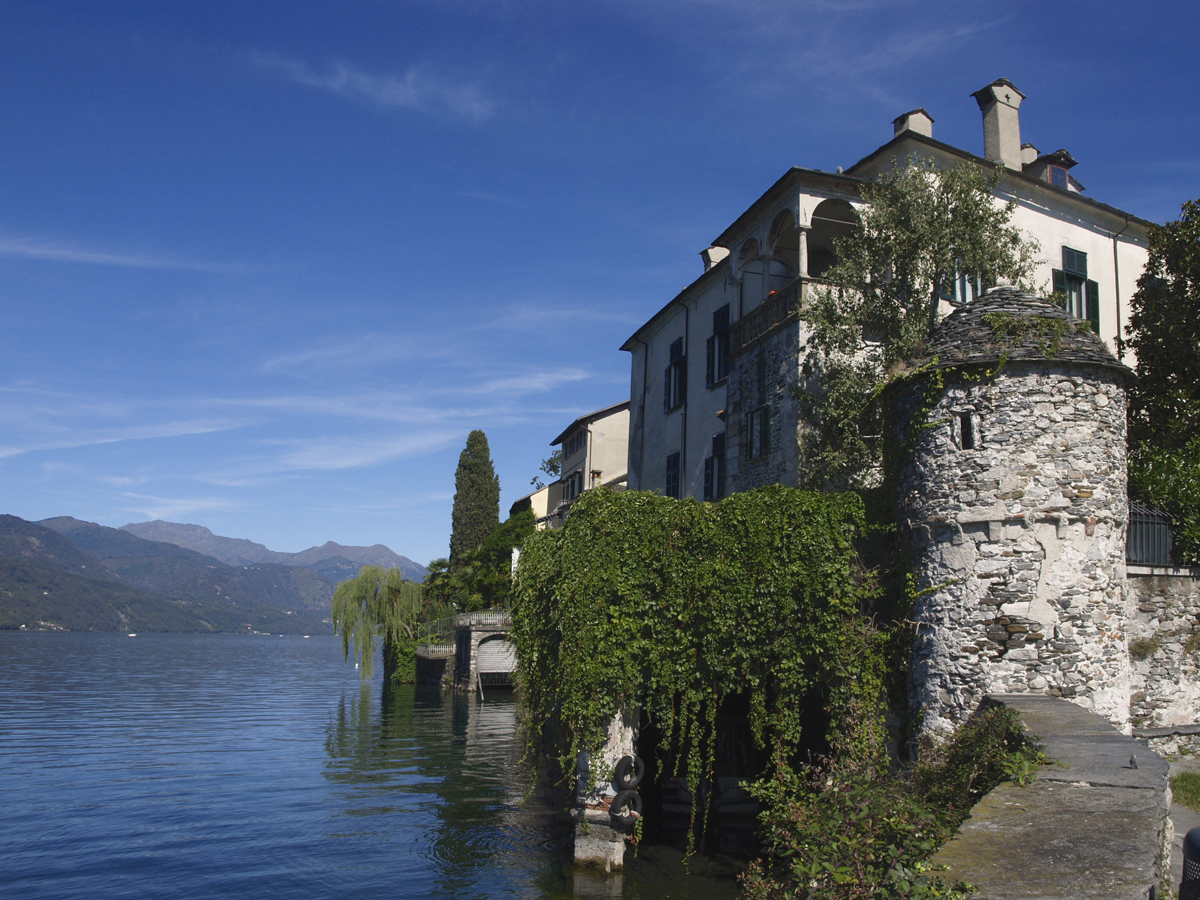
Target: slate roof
1008,323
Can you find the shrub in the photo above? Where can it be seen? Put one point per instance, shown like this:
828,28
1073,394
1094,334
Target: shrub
852,829
1144,648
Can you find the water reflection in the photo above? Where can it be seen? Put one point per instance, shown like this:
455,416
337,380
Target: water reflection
456,762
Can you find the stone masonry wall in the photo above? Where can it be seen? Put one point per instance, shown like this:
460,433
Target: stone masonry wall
1165,628
764,375
1019,541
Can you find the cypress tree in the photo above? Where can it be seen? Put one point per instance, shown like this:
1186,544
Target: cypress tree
476,511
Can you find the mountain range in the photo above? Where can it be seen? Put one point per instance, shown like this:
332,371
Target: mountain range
66,574
243,552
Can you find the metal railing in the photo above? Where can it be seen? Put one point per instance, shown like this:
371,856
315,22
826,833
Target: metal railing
488,618
777,309
1148,541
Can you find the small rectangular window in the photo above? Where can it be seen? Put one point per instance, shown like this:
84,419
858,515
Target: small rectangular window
759,442
671,488
1058,177
967,431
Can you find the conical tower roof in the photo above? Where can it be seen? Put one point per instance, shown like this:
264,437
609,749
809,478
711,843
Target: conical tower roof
1008,324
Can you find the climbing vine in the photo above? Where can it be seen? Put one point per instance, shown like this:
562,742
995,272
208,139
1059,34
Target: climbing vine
674,606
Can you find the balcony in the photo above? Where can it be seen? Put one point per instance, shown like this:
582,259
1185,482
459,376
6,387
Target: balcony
774,313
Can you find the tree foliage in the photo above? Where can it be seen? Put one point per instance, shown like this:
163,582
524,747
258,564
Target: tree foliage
921,227
379,605
482,578
1164,401
476,510
552,466
1164,332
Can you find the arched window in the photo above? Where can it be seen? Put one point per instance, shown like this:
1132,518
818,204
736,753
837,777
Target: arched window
831,220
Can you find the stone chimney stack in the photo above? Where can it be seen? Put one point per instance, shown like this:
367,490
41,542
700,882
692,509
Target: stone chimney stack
915,120
999,102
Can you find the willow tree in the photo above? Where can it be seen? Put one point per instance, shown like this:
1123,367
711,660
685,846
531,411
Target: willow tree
922,231
379,605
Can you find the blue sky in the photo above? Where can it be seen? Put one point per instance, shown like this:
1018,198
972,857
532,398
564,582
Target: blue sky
263,265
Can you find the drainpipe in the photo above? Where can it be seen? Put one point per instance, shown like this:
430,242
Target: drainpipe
1117,290
642,434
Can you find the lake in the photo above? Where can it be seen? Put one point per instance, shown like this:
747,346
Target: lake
177,765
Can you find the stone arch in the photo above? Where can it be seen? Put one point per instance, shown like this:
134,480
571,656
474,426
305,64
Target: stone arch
784,241
495,658
831,220
750,273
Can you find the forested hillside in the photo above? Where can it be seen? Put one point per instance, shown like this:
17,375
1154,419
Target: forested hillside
80,576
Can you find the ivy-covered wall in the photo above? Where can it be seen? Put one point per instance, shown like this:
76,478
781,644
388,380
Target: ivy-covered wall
674,606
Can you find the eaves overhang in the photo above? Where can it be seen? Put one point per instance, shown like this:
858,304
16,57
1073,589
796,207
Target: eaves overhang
895,147
716,272
589,419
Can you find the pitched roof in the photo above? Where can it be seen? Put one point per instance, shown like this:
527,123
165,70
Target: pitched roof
589,419
1008,324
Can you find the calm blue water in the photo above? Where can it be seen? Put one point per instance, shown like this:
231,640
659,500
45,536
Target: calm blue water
252,766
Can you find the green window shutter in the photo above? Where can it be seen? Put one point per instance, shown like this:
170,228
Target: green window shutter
1059,280
1093,305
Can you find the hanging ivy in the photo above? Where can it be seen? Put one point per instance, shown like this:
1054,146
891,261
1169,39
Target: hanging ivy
674,606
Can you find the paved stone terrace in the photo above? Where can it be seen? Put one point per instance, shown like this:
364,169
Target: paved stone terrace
1095,827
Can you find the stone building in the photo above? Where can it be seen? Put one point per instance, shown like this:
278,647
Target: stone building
1011,488
712,373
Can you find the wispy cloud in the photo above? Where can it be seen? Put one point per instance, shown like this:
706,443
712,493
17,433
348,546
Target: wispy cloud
50,251
174,507
326,454
62,438
415,89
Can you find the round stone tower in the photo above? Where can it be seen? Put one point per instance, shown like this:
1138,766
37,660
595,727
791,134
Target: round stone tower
1012,490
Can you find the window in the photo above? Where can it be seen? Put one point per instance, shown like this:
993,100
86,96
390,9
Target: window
1083,296
961,287
672,484
714,470
572,485
675,378
966,431
717,352
574,444
1058,177
759,443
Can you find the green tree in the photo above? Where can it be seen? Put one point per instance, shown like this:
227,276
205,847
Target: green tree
552,466
1164,332
921,228
482,579
1164,402
377,605
476,510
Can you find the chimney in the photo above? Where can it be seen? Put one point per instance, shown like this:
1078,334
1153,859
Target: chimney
713,255
915,120
999,102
